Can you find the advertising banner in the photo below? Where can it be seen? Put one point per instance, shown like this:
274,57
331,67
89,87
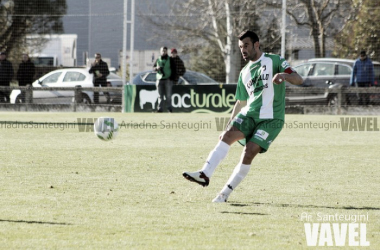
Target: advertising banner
185,98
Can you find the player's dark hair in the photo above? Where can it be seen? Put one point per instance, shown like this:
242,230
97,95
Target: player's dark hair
249,33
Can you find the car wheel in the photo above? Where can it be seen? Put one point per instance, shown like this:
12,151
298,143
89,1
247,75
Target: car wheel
333,101
18,99
86,99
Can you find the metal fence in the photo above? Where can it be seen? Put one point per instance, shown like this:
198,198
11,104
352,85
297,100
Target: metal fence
29,103
296,98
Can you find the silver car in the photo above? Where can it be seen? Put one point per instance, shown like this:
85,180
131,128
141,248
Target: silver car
322,73
70,77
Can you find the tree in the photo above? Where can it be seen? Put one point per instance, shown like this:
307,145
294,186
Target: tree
360,32
209,61
213,23
272,39
322,17
22,17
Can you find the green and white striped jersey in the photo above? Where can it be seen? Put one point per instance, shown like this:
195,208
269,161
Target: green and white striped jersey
265,100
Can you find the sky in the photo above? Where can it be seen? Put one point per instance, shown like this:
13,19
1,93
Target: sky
99,26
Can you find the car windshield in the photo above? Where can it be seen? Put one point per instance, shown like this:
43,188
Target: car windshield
344,70
53,78
72,76
377,71
197,78
323,69
113,76
151,77
303,70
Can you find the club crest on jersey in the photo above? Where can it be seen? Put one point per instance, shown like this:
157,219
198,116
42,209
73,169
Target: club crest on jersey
285,64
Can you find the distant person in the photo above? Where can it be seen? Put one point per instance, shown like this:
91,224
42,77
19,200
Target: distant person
100,70
6,75
363,76
25,73
166,70
180,66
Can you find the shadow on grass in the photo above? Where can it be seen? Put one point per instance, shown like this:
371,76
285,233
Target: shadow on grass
35,222
227,212
237,204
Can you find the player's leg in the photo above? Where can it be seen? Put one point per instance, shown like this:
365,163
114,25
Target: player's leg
96,94
168,89
264,134
239,129
161,92
220,151
107,94
240,172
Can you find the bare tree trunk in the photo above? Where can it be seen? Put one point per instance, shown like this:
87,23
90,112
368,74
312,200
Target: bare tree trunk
235,62
323,43
225,46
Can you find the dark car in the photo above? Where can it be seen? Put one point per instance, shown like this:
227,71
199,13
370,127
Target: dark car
114,80
189,78
326,73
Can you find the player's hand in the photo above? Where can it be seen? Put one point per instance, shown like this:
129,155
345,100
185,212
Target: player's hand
278,79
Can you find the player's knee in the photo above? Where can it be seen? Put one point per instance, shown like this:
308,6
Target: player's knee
226,137
250,151
230,137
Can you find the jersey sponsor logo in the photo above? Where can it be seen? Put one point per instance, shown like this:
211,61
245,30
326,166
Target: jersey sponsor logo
255,79
258,89
262,134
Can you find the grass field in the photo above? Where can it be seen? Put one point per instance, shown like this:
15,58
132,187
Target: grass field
66,189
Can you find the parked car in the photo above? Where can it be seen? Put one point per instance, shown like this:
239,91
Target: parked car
114,80
69,77
326,73
189,78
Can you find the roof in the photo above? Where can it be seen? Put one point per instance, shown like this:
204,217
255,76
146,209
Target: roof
341,60
307,43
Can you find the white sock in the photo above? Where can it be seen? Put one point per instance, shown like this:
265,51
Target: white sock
240,172
215,157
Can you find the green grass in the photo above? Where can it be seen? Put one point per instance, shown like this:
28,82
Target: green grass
65,189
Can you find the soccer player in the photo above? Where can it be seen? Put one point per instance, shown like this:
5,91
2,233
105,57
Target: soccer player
258,115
